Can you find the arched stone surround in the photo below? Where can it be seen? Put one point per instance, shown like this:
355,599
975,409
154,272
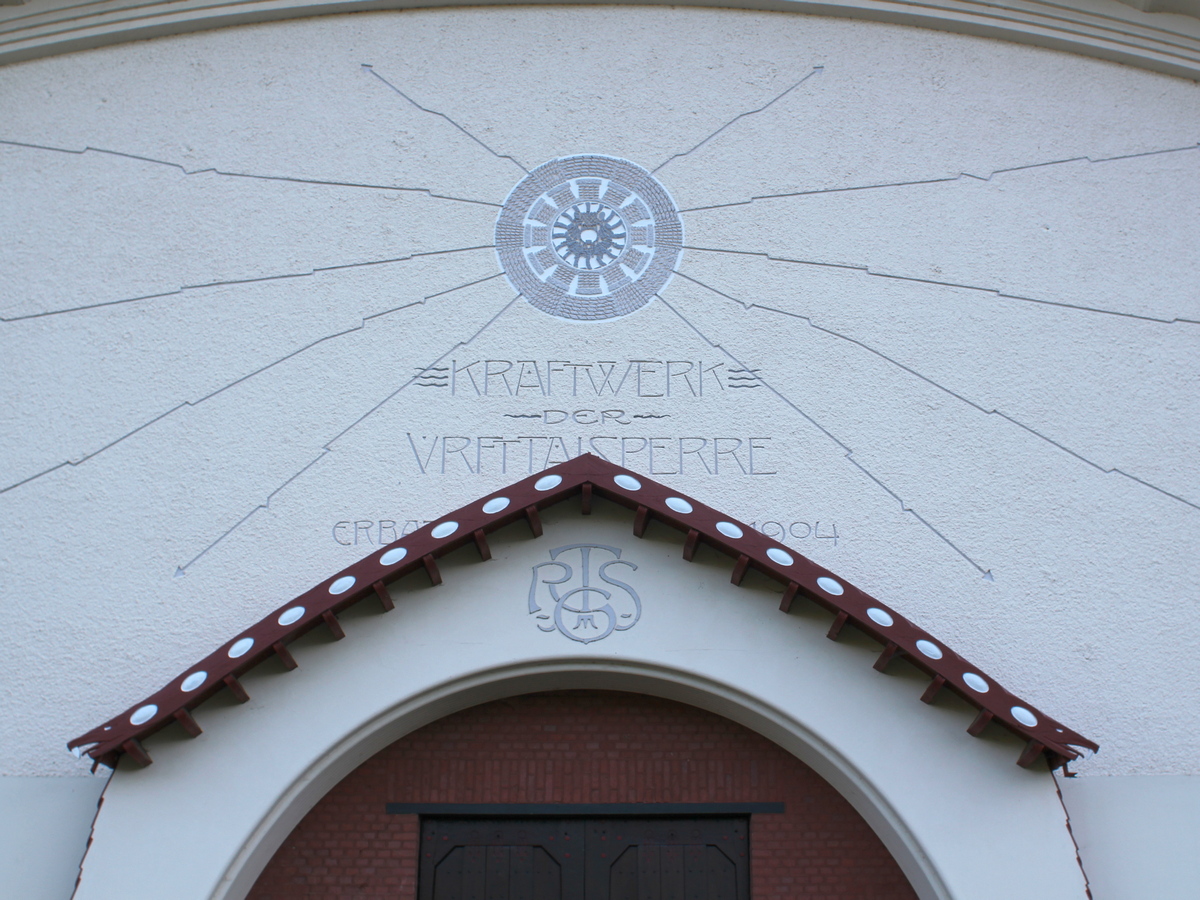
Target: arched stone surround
582,747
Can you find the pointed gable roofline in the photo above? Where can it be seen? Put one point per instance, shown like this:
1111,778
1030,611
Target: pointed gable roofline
585,477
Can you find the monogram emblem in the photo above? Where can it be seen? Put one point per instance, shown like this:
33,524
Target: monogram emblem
578,594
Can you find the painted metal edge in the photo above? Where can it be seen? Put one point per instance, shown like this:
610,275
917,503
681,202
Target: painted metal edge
571,810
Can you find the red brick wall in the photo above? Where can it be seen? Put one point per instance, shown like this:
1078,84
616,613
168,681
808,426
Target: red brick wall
582,747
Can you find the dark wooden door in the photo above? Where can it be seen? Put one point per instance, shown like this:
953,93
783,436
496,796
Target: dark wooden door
585,859
501,859
668,859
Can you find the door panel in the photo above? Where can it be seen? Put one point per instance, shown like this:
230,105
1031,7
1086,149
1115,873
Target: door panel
585,859
515,859
668,859
623,875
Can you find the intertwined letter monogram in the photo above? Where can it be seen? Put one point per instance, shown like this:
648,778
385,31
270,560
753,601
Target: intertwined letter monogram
578,594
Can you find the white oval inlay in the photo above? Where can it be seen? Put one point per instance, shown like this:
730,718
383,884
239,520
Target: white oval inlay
291,615
445,529
547,482
880,616
393,556
143,714
930,649
496,504
628,482
241,648
729,529
1024,716
679,505
975,683
829,586
780,556
342,585
194,681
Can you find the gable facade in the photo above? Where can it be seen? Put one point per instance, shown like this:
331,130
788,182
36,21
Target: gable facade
866,322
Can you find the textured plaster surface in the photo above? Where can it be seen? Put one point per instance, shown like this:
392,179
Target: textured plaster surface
44,832
974,396
1138,836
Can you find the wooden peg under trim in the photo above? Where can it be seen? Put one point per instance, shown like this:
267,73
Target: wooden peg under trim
886,656
835,630
1032,751
785,603
975,729
534,520
334,626
285,655
137,752
585,499
931,692
235,688
184,718
431,569
690,545
481,544
789,596
739,569
640,520
385,599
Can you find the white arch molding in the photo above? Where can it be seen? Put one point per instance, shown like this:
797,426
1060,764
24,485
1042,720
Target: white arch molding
953,810
1160,35
595,674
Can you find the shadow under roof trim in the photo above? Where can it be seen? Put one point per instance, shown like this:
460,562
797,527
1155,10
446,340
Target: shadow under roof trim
584,477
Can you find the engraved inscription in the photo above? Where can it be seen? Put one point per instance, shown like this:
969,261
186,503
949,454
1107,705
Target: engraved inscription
376,530
525,454
646,378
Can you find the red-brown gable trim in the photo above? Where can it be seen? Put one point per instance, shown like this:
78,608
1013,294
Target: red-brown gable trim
585,476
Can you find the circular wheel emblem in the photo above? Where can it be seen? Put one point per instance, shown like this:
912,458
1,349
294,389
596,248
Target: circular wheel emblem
589,237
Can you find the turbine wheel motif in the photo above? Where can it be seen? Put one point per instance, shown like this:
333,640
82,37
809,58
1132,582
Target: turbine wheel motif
589,237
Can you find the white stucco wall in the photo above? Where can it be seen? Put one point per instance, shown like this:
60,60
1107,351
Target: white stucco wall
1139,836
45,824
976,342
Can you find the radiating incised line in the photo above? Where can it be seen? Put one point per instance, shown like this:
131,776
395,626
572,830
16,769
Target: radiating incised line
866,270
944,180
215,284
957,396
849,451
327,447
242,378
222,173
816,70
433,112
